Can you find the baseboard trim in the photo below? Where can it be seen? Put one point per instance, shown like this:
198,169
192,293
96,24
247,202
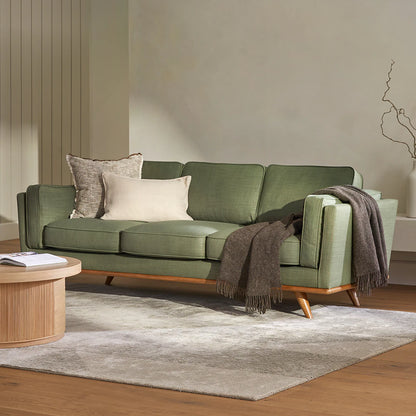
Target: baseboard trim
9,231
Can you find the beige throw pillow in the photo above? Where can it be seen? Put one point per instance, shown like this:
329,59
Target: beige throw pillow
87,178
145,199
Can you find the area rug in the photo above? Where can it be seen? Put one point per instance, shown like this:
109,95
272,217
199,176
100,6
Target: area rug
207,344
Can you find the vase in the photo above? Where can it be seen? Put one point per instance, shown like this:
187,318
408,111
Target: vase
411,192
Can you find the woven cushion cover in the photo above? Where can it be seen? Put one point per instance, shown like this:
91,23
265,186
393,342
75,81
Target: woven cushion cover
86,234
86,175
191,240
161,170
173,239
224,192
147,200
285,187
289,251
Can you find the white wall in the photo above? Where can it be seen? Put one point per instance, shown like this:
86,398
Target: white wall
109,79
272,81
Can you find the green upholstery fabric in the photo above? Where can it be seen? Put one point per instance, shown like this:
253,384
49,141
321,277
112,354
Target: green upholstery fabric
289,251
335,257
312,228
21,212
299,276
125,263
375,194
45,204
224,192
358,179
172,239
215,241
161,170
199,269
324,253
285,187
86,234
312,225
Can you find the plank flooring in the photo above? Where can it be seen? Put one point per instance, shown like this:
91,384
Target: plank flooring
384,385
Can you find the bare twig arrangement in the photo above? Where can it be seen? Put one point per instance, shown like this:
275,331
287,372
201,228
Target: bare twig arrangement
402,118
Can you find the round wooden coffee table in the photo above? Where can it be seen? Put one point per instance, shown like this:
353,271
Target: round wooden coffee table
32,303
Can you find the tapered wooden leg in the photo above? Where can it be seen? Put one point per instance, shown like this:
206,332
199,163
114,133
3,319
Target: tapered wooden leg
109,280
302,299
352,293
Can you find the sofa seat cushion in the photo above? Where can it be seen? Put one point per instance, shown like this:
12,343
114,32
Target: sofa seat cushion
289,251
86,234
171,239
191,240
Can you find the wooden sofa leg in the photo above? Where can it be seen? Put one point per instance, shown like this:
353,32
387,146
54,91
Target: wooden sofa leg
302,299
352,293
109,280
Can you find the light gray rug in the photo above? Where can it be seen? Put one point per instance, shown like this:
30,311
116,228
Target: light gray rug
207,344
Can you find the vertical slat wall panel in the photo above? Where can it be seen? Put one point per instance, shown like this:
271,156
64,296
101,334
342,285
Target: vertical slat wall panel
66,86
16,96
85,84
5,113
76,78
29,152
56,92
36,87
46,138
44,93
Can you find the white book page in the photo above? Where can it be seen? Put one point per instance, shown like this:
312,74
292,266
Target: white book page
33,259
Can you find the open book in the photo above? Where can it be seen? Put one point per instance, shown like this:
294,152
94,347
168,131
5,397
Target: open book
30,258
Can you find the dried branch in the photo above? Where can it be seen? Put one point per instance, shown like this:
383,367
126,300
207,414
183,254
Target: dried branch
403,113
390,138
398,112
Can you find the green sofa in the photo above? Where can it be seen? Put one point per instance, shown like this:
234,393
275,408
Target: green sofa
222,198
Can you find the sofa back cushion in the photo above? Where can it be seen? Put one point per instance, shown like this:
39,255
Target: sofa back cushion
161,170
224,192
285,187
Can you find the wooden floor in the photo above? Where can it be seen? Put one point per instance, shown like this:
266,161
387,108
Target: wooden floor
384,385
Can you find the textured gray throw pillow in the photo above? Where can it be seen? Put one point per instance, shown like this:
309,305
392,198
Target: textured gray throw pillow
87,177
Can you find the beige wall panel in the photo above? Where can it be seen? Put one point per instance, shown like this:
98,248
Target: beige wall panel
85,79
5,114
46,138
36,85
76,78
29,148
44,95
66,87
56,141
16,95
62,95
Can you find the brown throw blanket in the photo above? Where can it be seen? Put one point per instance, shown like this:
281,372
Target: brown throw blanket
369,255
250,265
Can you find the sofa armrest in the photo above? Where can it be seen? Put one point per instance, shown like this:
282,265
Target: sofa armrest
313,222
44,204
313,212
336,245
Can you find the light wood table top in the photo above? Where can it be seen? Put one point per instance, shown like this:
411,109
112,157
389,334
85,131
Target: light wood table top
17,274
